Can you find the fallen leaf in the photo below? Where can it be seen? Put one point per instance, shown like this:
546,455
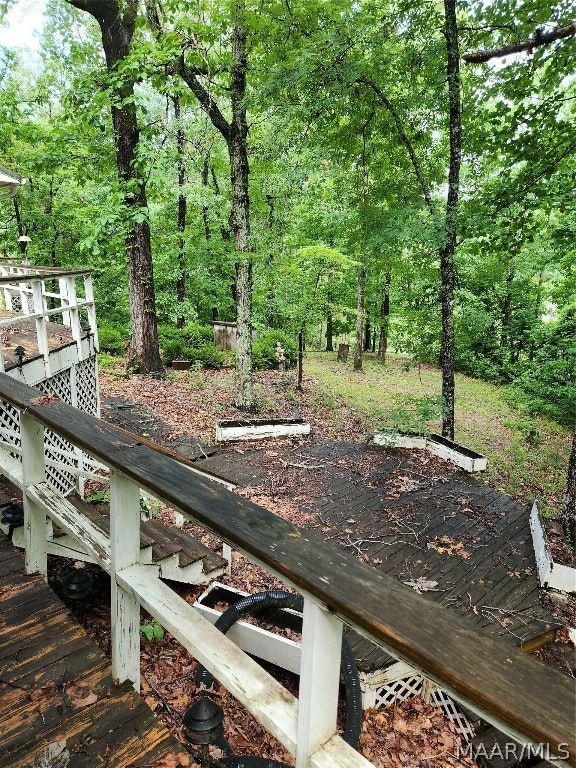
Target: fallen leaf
422,585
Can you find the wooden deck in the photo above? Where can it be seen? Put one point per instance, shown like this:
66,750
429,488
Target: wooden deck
414,517
23,333
56,688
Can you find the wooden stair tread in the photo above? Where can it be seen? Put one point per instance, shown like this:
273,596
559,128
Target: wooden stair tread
193,550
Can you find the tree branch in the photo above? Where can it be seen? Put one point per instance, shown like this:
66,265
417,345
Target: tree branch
538,38
209,106
404,138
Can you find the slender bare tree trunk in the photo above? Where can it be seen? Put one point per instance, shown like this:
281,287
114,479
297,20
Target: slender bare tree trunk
235,133
329,332
240,215
450,229
384,317
568,509
360,320
182,210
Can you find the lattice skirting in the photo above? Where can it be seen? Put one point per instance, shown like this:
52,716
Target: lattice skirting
78,387
399,682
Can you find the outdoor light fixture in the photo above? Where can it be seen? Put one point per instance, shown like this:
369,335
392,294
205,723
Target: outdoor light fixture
203,725
78,584
20,353
12,516
86,328
24,240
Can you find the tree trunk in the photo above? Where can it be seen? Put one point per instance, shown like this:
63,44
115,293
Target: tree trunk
367,335
182,210
567,514
300,357
117,28
385,317
329,332
240,214
235,134
360,320
449,241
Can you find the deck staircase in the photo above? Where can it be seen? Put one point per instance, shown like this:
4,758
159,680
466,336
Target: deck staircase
177,555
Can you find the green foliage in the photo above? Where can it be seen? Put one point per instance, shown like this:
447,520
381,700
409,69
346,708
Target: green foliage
547,383
152,631
112,339
264,349
210,356
192,342
413,416
99,497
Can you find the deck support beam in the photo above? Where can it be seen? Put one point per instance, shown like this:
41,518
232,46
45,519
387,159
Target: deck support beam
319,680
125,551
33,471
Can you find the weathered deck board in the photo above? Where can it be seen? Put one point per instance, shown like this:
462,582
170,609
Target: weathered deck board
45,660
405,529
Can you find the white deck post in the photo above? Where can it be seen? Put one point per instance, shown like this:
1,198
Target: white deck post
125,551
41,327
63,291
91,310
33,471
319,680
74,314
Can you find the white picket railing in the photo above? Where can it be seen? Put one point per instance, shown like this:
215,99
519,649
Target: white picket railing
28,291
530,702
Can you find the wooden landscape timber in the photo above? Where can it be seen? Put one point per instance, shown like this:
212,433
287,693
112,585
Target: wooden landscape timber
517,694
446,449
550,574
260,429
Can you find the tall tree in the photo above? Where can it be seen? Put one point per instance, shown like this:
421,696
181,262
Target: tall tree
448,247
235,133
117,28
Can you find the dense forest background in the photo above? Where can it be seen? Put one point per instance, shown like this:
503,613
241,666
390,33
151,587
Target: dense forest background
300,165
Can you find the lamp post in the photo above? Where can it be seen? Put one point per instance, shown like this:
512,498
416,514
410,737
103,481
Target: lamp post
20,353
203,725
24,241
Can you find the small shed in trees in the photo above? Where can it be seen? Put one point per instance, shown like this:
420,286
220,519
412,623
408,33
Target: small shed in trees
224,335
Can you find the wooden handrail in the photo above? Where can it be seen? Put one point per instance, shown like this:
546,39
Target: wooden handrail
508,688
42,272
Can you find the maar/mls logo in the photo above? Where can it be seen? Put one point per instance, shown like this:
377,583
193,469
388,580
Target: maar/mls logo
513,750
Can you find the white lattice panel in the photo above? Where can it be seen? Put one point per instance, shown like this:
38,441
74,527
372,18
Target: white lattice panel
87,386
399,682
10,426
58,385
438,698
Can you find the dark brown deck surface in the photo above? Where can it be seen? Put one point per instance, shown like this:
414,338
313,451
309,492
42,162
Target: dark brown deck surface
56,689
413,516
23,333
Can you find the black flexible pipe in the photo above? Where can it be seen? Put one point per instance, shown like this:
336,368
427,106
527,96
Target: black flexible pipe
277,598
249,761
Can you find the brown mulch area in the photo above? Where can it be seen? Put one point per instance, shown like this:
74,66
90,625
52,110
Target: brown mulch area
189,404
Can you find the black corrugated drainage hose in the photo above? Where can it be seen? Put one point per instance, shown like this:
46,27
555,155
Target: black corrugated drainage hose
278,599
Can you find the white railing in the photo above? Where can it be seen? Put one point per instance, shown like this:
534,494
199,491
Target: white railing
45,294
517,694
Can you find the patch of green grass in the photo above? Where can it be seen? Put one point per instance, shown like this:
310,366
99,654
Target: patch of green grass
527,455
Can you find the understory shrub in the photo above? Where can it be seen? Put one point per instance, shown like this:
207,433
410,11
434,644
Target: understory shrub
112,339
193,342
264,349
